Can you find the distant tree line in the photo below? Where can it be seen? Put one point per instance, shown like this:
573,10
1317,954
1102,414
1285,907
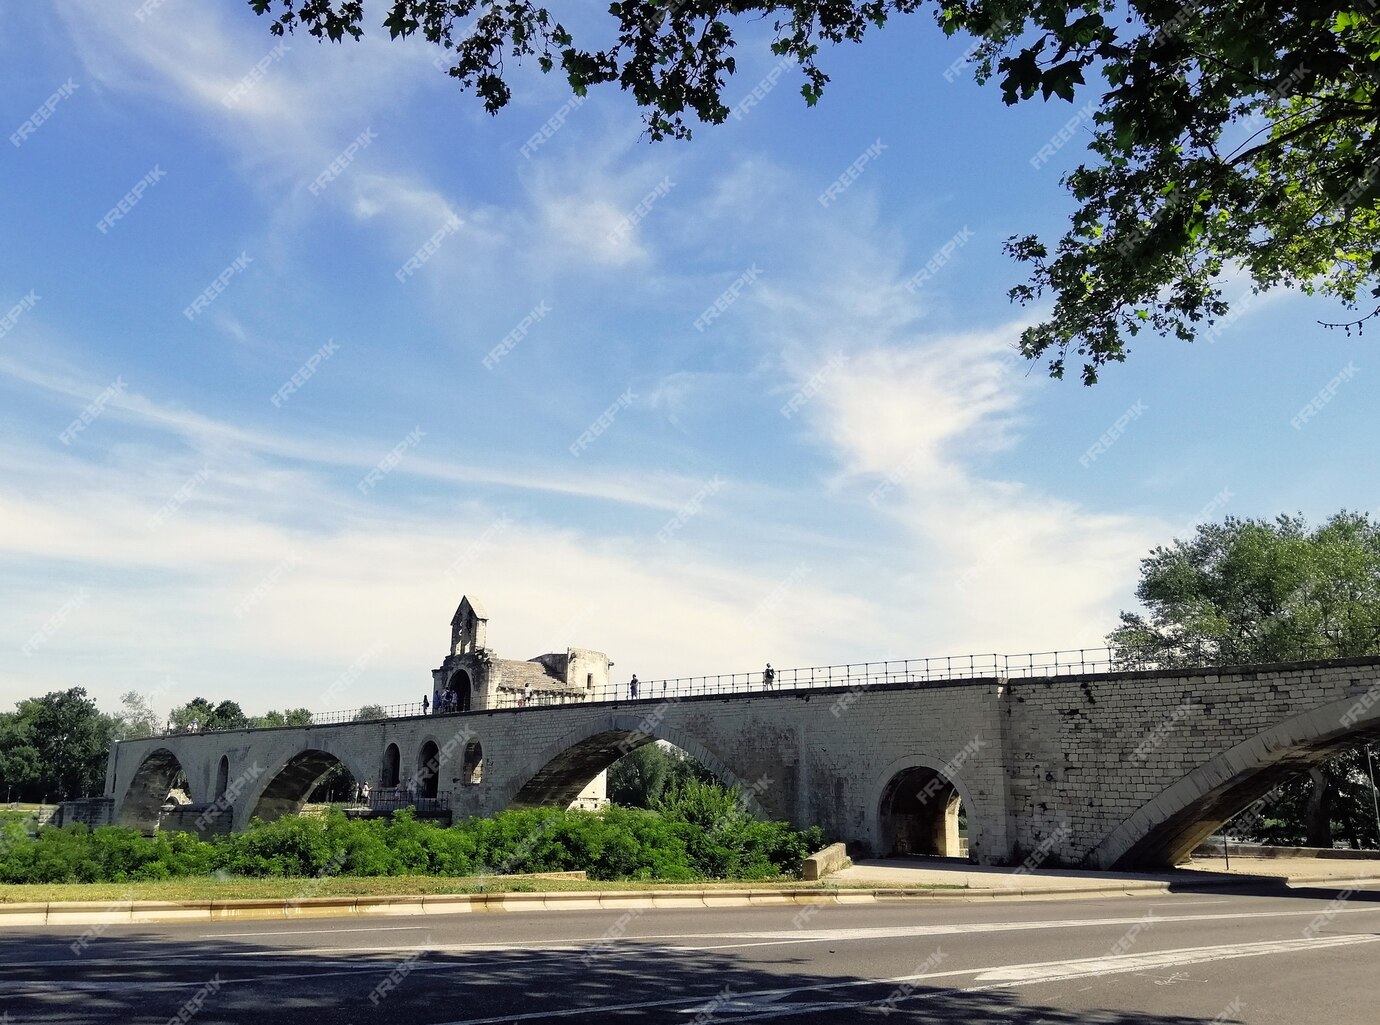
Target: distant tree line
55,747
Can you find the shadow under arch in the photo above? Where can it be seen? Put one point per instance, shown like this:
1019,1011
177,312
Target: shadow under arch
472,766
565,768
222,777
945,787
1164,830
291,783
391,773
148,790
919,814
428,769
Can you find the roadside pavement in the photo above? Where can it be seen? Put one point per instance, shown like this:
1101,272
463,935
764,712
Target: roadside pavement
908,873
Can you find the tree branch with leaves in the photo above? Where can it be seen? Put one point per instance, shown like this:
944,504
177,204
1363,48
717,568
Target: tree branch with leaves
1164,216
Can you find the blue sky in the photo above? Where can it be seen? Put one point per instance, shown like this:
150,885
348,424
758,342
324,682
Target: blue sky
929,493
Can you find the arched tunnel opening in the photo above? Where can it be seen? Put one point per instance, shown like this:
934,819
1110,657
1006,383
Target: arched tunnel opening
427,776
639,770
158,775
922,814
460,692
391,774
337,786
304,776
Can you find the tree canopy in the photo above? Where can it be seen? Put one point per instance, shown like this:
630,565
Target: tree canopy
55,746
291,717
200,715
1253,591
1250,591
1230,137
648,775
136,718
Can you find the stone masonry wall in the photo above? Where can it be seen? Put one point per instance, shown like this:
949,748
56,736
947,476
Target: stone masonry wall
1086,752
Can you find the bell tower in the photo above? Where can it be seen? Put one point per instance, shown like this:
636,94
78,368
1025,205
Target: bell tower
469,628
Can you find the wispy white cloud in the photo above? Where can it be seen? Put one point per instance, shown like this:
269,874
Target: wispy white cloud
208,434
277,100
174,596
1002,566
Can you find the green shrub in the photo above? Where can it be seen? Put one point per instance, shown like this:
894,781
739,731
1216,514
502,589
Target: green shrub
700,831
53,856
364,850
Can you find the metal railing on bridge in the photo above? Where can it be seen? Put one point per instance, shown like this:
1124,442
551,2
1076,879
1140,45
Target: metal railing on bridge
859,675
368,713
853,676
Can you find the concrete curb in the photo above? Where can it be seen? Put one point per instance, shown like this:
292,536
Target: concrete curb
85,913
94,913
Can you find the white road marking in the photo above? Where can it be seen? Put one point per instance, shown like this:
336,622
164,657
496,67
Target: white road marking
968,928
1028,974
792,936
725,1000
1048,971
1199,955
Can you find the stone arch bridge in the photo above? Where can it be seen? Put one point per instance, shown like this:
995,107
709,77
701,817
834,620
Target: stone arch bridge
1105,769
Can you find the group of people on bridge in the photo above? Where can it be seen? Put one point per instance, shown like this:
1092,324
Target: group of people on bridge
446,701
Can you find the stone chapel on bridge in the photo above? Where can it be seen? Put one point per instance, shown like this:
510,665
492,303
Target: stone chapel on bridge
479,680
473,679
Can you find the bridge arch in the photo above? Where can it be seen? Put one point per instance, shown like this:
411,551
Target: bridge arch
290,783
426,778
558,774
933,828
148,790
472,767
1165,830
222,777
390,774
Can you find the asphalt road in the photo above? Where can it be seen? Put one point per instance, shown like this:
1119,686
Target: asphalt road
1158,960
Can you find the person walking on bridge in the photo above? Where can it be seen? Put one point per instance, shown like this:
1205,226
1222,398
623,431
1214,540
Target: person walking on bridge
768,677
632,687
